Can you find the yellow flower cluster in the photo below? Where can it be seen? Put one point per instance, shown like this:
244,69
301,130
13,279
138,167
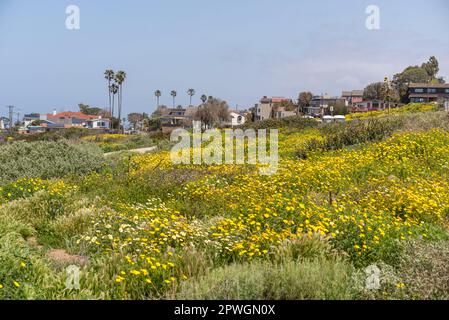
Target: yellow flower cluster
356,198
105,137
359,198
146,238
412,107
26,187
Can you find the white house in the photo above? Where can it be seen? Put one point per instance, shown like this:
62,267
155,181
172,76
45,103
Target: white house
237,118
99,123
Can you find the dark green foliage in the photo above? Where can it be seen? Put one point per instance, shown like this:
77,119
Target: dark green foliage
356,132
45,159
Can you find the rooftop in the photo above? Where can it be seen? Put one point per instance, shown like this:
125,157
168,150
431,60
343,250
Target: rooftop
353,93
429,85
265,99
70,114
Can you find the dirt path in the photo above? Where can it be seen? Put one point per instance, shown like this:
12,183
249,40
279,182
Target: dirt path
141,151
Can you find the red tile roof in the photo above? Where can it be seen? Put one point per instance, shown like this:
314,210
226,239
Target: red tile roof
69,114
279,99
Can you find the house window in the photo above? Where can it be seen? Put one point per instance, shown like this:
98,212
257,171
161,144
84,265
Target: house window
432,90
447,90
419,90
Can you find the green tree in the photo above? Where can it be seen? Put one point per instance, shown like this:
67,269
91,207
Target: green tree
373,91
402,80
158,94
426,73
91,111
431,67
173,93
380,91
304,99
191,93
214,111
135,118
153,124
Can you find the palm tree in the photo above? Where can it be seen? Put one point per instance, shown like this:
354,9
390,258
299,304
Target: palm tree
109,75
113,90
158,94
119,79
173,94
204,98
191,93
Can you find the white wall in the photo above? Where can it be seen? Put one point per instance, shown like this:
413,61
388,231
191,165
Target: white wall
235,117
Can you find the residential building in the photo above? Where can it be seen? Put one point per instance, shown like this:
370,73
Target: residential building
268,108
172,119
99,123
30,118
370,105
238,118
35,122
352,97
175,118
320,104
426,92
3,123
71,119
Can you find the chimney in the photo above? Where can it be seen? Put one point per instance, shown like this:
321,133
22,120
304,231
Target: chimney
54,112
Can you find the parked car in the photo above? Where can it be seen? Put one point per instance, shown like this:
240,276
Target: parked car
330,119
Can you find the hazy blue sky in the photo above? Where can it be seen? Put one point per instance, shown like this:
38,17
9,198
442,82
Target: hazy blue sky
237,50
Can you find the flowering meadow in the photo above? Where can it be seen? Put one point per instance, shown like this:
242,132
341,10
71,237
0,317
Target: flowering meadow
143,228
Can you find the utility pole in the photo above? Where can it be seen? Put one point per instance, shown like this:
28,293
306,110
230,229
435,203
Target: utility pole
387,92
18,116
11,114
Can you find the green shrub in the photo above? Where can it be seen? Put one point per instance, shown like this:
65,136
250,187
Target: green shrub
422,273
46,159
69,134
355,132
293,280
23,275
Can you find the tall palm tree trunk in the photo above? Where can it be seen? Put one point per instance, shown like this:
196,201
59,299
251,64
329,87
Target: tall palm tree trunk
112,113
120,108
110,98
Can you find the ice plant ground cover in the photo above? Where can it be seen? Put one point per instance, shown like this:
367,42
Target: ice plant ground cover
148,229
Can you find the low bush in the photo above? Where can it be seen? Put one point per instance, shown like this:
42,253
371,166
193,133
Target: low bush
45,159
292,280
22,274
356,132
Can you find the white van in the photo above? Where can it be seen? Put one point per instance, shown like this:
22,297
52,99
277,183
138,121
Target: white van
330,119
339,118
